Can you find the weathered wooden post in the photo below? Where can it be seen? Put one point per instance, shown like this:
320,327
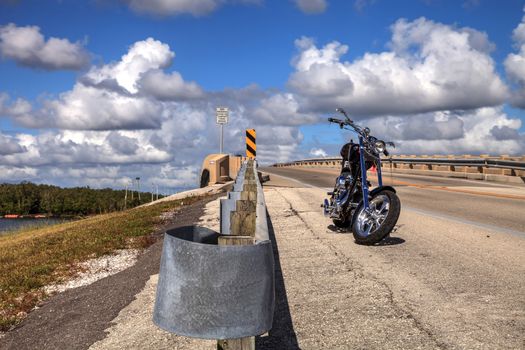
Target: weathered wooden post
242,232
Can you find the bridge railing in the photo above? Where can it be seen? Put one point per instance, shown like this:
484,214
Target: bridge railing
484,167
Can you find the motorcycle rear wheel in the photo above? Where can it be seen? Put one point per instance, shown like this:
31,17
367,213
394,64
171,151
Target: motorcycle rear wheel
370,227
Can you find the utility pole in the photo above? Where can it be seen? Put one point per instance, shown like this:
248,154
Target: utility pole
138,186
132,189
126,197
157,190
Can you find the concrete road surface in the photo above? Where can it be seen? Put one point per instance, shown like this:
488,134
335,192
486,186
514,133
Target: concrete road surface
485,204
438,282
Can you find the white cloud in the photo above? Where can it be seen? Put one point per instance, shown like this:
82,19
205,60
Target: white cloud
515,65
281,109
28,47
481,131
142,56
318,152
9,145
311,6
442,125
431,67
169,87
83,148
178,7
122,144
136,117
108,97
10,174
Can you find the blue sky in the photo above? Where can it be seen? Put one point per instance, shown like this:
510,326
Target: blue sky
238,45
248,54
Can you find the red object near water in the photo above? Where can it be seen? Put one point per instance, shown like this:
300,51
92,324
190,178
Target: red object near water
11,216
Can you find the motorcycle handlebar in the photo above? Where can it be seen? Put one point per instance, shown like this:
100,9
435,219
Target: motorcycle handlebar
362,132
335,120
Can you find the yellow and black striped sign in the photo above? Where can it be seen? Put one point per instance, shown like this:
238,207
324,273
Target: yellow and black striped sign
251,147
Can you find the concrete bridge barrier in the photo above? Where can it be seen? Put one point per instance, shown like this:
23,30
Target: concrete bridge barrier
502,168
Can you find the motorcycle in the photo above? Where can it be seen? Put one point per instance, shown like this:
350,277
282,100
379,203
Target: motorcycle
371,213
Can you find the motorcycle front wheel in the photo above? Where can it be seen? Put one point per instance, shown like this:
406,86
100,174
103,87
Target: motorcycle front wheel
371,226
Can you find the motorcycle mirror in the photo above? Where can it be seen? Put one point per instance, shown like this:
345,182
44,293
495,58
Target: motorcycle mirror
342,111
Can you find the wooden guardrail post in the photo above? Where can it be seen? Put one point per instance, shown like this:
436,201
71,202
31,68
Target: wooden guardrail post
242,232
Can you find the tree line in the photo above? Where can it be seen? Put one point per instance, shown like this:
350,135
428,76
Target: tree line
28,198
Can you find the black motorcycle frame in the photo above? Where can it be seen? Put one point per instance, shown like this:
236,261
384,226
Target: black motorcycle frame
367,148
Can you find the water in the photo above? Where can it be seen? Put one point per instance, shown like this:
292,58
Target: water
8,225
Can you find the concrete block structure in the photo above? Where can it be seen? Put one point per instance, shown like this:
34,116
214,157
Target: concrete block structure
219,168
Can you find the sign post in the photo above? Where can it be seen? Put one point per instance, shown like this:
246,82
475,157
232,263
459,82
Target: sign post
222,114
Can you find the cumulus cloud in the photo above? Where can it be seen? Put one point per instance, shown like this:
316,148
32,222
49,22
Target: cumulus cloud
19,110
515,65
311,6
178,7
107,97
142,56
484,130
14,175
430,67
9,145
282,109
83,148
431,92
119,116
442,125
122,144
169,87
318,152
28,47
505,132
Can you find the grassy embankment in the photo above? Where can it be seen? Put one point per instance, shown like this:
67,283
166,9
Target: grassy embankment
35,258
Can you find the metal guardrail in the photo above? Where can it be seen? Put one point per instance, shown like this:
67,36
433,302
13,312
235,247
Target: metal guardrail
479,162
220,285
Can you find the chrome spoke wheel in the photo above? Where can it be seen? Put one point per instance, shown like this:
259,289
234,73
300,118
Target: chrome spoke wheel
370,220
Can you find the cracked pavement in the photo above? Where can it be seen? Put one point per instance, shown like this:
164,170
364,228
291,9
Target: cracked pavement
433,284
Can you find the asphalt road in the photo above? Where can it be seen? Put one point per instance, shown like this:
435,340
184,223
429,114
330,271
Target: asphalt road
486,204
447,278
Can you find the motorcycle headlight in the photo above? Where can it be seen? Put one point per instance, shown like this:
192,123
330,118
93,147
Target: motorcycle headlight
380,146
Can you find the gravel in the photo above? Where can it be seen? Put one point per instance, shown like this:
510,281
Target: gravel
133,328
98,268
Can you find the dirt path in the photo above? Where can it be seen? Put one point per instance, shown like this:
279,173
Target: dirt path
133,328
